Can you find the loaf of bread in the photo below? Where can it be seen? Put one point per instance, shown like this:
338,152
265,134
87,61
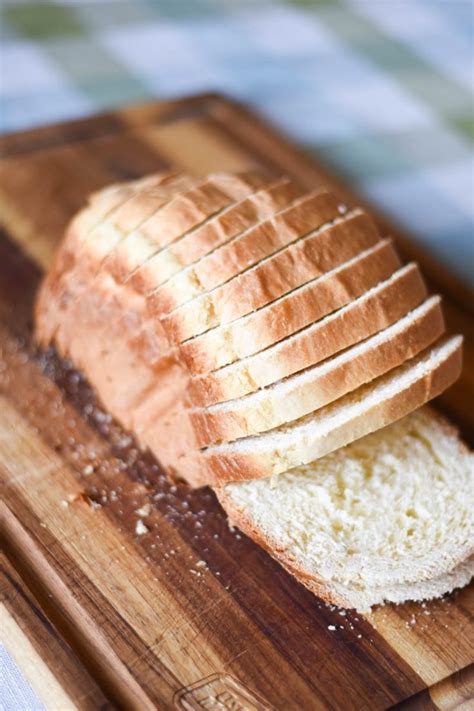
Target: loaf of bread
297,285
244,331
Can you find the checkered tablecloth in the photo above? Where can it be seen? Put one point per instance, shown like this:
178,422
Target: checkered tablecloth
382,89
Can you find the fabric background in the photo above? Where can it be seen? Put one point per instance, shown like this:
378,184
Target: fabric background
381,89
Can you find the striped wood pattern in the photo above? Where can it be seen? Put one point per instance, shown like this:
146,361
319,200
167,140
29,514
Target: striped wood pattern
147,618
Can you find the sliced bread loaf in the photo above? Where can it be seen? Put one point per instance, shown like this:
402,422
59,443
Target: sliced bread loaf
304,215
376,309
273,277
321,384
385,519
365,410
290,313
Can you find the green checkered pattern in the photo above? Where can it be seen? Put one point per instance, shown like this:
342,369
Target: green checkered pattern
382,89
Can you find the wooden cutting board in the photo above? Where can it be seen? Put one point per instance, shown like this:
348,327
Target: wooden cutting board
188,614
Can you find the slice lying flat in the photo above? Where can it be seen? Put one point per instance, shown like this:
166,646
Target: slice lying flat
383,519
373,311
365,410
315,387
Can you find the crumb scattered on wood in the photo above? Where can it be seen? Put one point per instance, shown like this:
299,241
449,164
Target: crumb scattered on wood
140,528
144,510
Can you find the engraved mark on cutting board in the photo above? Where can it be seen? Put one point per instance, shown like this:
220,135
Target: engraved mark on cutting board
219,691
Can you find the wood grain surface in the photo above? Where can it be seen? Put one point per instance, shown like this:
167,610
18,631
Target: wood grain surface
50,666
189,614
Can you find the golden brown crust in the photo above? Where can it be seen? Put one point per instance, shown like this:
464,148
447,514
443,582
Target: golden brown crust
75,264
298,309
303,216
150,201
189,209
151,198
293,266
216,231
361,319
178,216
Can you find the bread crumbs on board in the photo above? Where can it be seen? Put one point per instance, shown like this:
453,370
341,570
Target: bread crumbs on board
140,528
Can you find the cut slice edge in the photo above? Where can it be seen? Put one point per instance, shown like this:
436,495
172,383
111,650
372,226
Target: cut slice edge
293,265
82,254
317,386
222,228
290,313
178,220
378,308
53,292
305,215
160,193
370,407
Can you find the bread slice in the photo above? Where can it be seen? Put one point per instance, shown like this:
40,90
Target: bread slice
290,313
378,308
303,216
315,387
218,230
273,277
385,519
365,410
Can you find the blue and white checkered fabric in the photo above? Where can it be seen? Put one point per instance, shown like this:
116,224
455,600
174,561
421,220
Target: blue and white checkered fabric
382,89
